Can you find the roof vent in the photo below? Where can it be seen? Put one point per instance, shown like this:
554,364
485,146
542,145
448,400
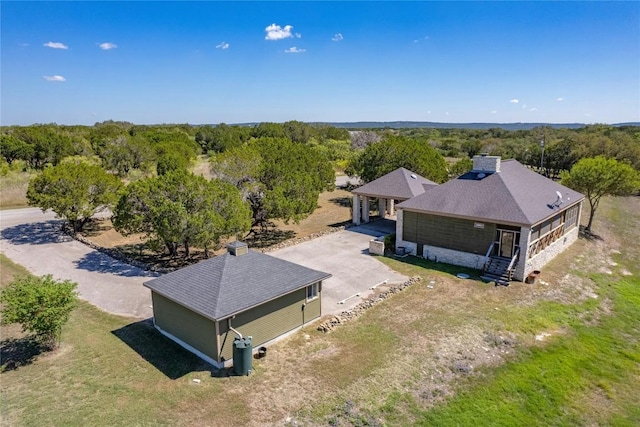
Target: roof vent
413,176
237,248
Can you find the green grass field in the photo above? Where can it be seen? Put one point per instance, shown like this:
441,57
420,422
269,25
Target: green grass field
461,353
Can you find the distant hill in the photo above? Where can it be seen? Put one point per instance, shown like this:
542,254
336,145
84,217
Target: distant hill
440,125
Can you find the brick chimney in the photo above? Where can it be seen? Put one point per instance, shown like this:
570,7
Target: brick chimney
237,248
486,163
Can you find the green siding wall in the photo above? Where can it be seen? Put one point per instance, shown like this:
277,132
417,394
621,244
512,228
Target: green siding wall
269,320
192,328
450,233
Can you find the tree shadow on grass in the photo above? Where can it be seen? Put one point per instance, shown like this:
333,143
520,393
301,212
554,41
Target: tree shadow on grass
267,238
165,355
37,233
95,227
588,235
345,202
18,352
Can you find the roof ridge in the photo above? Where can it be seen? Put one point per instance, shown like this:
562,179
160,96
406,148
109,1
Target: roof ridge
512,196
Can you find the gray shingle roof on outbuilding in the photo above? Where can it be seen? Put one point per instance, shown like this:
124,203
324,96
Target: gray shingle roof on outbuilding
227,284
400,184
515,195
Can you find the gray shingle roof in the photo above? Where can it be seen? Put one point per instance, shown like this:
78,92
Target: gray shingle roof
514,195
400,184
227,284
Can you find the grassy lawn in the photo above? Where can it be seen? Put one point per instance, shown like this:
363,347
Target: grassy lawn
459,352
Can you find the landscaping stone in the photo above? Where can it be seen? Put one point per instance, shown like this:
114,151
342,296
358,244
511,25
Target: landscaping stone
333,322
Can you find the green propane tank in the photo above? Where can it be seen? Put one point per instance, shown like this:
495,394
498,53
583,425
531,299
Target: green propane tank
242,349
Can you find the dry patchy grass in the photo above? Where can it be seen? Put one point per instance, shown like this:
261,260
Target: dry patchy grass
412,353
13,193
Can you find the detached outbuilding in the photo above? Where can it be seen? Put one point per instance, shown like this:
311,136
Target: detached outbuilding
255,294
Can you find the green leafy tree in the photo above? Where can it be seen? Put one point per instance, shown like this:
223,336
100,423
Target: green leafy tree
281,179
48,144
75,191
13,149
125,153
40,305
460,167
269,130
597,177
393,152
180,208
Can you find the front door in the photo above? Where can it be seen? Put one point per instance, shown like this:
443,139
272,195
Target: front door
507,240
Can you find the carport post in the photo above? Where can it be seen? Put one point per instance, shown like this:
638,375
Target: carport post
382,208
365,208
356,209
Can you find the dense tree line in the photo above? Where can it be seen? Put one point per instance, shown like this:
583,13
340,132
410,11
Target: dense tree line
562,147
275,170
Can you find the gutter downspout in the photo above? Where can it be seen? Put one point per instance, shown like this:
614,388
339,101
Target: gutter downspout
233,330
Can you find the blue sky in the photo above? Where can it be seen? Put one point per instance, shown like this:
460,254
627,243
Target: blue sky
234,62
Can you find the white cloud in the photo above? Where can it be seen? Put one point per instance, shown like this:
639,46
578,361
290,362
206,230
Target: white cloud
514,101
276,32
494,111
533,109
56,45
524,106
55,78
23,44
107,46
337,37
294,49
559,99
223,46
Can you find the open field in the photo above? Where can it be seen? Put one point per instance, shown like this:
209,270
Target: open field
13,189
565,351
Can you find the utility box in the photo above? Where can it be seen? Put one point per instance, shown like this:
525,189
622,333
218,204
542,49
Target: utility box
242,352
376,247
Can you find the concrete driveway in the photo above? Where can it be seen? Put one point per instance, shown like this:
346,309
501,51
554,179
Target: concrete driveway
33,240
345,254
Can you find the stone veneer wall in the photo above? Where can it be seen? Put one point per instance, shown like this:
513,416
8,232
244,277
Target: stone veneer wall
410,247
486,163
449,256
550,252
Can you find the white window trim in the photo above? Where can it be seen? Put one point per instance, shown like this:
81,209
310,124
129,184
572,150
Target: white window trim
316,291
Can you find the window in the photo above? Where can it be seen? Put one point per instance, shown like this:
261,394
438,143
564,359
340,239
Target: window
312,291
572,216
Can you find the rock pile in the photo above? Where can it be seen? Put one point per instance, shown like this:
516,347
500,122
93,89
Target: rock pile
355,312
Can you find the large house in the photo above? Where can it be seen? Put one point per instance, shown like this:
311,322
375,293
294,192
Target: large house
500,217
202,307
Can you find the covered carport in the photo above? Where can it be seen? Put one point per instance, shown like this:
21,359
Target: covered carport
396,186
